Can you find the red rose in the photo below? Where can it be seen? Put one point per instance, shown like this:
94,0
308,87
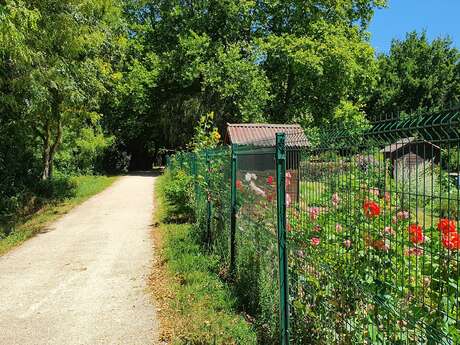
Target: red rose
270,180
239,185
447,226
451,241
371,209
270,197
416,234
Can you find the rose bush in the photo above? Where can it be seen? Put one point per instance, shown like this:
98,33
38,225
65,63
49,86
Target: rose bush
362,269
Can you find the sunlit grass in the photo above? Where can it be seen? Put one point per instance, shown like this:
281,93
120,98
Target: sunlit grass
202,308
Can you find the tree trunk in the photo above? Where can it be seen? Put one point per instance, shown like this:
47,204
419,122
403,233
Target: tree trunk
55,146
288,94
49,150
46,151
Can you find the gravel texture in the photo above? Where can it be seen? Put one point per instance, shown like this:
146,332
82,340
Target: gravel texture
83,281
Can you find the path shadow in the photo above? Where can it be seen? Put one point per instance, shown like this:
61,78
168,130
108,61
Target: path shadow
149,173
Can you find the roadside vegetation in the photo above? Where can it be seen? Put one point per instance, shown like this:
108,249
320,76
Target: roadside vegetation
194,305
46,210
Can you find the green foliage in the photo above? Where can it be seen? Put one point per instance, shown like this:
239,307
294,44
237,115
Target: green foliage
57,62
205,306
206,135
177,193
415,75
245,61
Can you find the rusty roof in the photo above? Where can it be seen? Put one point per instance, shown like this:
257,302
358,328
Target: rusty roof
263,134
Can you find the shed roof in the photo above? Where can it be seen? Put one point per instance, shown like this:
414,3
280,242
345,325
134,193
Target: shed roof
403,142
263,134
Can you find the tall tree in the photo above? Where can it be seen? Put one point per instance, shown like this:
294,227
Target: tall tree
416,74
61,85
251,61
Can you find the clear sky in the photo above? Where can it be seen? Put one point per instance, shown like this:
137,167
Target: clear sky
437,17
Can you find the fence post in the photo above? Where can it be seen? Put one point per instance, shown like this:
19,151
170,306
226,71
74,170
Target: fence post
233,213
282,250
208,199
194,173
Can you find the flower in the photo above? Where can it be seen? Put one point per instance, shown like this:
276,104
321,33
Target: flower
371,209
387,197
402,215
374,191
416,234
270,197
313,212
447,226
414,251
338,227
239,185
451,240
288,178
389,230
347,244
335,199
270,180
381,245
215,135
315,241
288,200
249,177
257,190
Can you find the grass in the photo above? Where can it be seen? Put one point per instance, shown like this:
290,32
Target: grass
195,306
313,193
87,186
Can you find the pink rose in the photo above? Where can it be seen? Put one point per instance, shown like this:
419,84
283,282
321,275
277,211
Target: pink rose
347,244
313,213
389,230
414,251
315,241
335,200
288,200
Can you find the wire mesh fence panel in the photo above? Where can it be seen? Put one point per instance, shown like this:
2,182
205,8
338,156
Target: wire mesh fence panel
219,189
373,241
257,272
372,219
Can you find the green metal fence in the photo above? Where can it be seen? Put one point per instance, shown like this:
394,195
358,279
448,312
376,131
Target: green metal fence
351,239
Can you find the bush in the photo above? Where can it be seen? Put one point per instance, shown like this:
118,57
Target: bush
58,188
178,193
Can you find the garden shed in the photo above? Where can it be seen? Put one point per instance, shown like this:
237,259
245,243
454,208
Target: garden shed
264,135
410,152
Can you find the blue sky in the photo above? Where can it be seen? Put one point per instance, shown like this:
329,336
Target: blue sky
437,17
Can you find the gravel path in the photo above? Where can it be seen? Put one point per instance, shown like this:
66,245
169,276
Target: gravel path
83,282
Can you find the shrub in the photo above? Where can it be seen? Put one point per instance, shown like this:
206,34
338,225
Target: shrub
178,193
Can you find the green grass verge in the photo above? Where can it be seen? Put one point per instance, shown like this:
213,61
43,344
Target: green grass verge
87,186
203,305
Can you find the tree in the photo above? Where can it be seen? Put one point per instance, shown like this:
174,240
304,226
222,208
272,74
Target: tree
247,61
62,85
415,75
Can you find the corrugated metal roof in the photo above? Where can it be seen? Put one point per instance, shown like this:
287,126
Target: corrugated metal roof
263,134
403,142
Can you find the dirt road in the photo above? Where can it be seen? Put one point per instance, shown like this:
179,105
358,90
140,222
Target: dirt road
83,282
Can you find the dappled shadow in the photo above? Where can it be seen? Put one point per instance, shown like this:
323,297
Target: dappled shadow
148,173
